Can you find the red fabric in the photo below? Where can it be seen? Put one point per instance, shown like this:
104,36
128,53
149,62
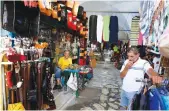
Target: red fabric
16,57
9,79
30,4
26,3
82,62
74,23
70,19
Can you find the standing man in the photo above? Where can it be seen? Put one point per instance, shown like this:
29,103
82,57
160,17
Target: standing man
134,68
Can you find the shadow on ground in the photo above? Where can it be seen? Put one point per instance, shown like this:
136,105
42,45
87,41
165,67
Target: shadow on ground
87,97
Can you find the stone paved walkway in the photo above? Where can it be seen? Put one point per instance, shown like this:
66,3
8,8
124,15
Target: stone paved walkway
108,82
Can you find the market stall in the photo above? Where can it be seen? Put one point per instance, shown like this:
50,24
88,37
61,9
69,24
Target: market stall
34,36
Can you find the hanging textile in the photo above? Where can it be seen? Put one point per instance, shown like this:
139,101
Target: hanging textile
106,22
92,28
99,28
140,39
146,13
134,34
113,29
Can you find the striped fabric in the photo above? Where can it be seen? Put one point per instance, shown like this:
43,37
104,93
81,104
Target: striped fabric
134,34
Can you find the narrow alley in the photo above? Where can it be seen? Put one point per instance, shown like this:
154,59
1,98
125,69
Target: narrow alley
100,93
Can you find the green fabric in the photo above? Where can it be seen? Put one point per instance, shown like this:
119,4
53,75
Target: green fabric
115,49
106,21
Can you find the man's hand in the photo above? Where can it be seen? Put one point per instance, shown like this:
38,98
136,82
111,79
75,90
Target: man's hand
157,79
129,64
154,76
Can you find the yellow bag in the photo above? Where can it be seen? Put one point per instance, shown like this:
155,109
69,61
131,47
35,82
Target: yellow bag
16,106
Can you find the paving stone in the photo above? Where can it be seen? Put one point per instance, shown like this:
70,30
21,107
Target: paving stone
109,86
111,99
117,96
103,98
104,104
117,102
105,91
110,108
98,106
119,99
114,90
113,105
86,108
112,94
116,85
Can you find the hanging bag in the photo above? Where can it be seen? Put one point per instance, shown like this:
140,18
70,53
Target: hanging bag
72,82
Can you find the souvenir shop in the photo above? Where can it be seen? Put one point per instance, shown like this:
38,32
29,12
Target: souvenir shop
34,35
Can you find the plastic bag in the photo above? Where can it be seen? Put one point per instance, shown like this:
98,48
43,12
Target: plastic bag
72,82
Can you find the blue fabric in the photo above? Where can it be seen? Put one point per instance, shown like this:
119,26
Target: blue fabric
57,72
166,102
113,29
12,35
72,70
89,75
165,97
63,81
155,99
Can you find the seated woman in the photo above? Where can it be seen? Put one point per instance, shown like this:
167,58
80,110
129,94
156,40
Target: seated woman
63,63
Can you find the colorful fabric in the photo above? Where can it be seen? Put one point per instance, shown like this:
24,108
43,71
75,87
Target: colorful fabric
106,22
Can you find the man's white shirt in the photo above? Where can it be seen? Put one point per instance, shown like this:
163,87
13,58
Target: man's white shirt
137,71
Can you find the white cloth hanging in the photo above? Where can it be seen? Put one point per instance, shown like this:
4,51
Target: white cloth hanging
99,28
